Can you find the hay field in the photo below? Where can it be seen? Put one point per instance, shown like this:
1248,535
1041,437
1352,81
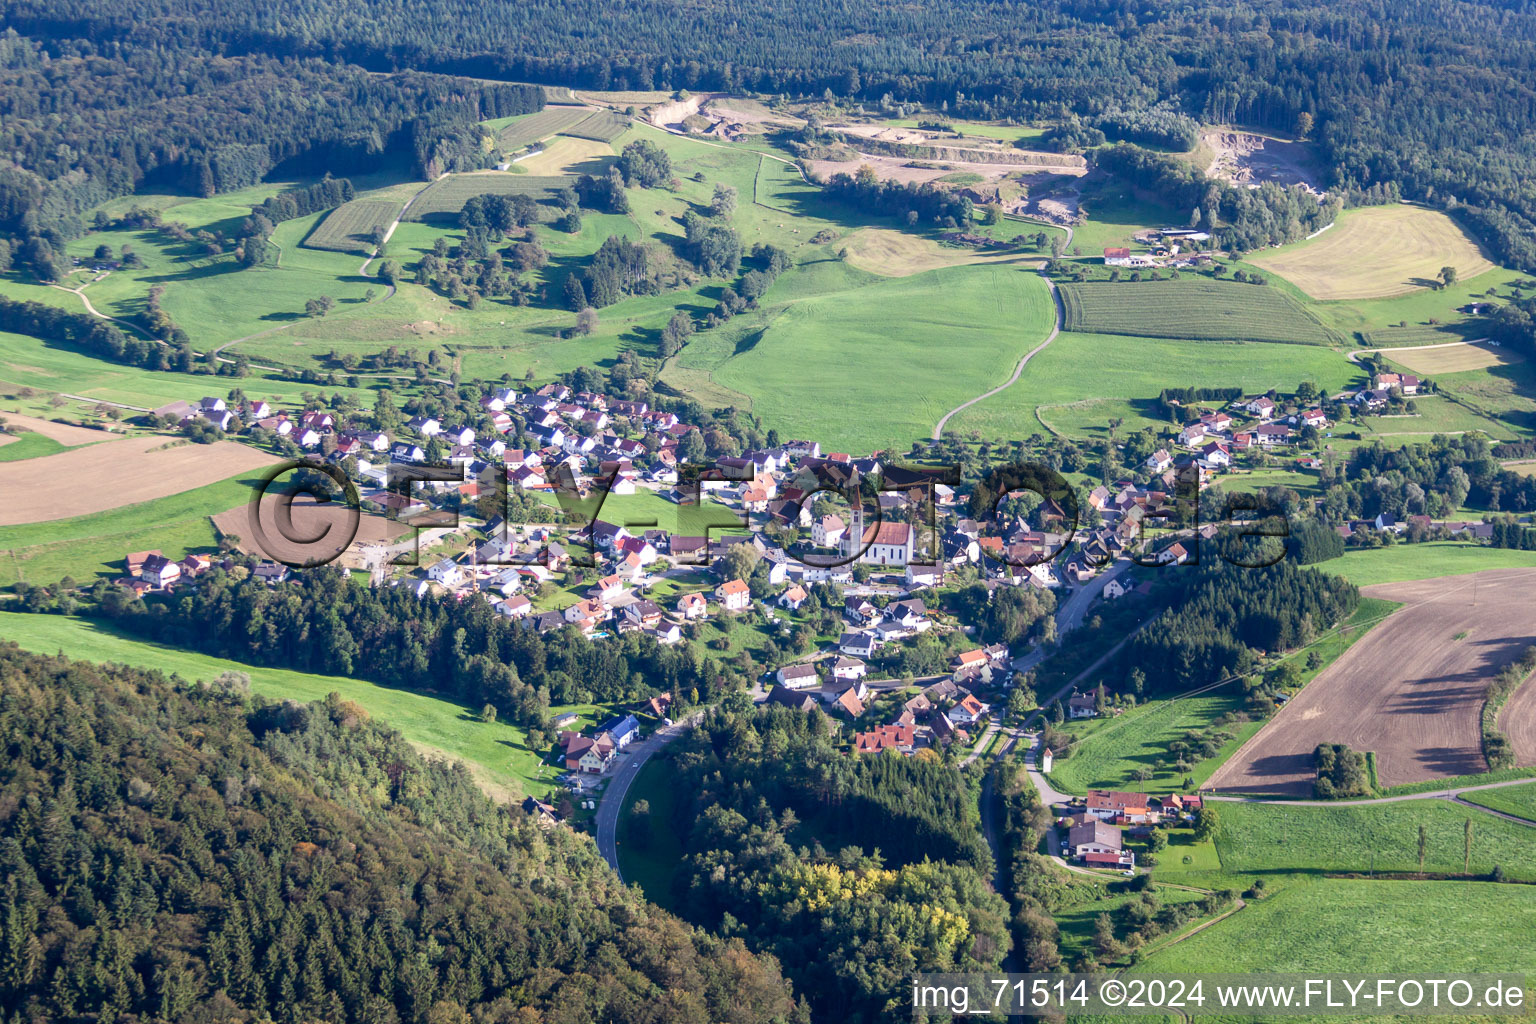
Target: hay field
99,477
350,227
1411,689
570,155
1455,357
448,194
66,434
1377,252
892,253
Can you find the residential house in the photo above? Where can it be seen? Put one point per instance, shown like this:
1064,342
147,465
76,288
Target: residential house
426,426
733,595
969,710
798,677
898,737
849,701
828,531
846,669
645,614
1096,839
692,606
918,576
858,645
1111,805
793,598
446,571
1159,460
782,696
159,571
621,729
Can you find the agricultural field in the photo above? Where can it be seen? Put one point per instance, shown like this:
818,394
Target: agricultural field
1434,414
1346,926
796,361
351,226
565,155
1192,309
1377,251
601,126
100,477
1410,691
892,253
496,753
1517,720
92,547
1517,800
1274,839
1120,376
515,133
1113,749
1506,394
1453,357
448,194
1401,563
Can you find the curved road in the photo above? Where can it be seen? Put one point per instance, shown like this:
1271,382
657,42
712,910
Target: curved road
938,429
1354,356
612,801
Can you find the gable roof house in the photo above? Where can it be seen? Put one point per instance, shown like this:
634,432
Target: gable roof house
798,677
733,595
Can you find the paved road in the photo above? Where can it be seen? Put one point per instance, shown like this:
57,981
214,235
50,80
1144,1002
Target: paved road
1452,793
612,800
938,428
1071,613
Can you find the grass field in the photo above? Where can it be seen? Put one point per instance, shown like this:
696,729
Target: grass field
350,227
92,546
1377,251
514,133
654,866
449,193
1120,376
496,752
1402,562
1455,358
1193,309
892,253
1422,334
799,362
1343,926
1517,800
603,126
30,445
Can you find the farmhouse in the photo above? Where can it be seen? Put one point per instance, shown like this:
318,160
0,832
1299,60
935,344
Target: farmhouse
1110,805
1095,837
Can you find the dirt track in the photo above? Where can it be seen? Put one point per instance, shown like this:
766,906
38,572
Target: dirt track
1408,690
106,476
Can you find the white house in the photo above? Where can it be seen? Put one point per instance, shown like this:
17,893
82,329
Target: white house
828,531
733,596
798,677
446,571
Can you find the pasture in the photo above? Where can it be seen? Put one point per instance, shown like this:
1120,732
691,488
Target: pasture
1345,925
514,133
448,194
496,753
1120,376
600,126
100,477
1113,750
1377,251
351,227
1517,800
1194,309
1453,357
1267,838
829,365
1411,690
1404,562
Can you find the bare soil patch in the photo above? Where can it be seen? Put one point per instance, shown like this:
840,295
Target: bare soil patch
329,522
64,433
1247,159
121,472
1409,690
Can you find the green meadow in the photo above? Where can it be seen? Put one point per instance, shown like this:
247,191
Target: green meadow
93,546
1517,800
1401,562
496,752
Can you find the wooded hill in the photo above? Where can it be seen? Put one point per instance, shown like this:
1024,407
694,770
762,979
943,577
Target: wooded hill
174,853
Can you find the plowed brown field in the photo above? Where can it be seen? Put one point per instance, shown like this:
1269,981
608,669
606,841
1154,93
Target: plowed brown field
1411,689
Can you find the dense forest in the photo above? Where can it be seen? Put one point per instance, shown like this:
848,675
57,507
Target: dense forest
461,649
1436,96
187,854
852,872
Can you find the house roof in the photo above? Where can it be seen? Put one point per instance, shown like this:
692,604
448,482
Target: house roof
732,588
1108,799
849,701
803,671
1098,832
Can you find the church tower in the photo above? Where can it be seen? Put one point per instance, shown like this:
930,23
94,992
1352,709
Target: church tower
856,529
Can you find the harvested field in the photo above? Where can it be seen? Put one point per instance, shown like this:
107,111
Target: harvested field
122,472
1453,357
1378,251
1517,720
1196,310
310,520
351,226
892,253
66,434
449,194
530,128
1411,690
601,126
567,155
